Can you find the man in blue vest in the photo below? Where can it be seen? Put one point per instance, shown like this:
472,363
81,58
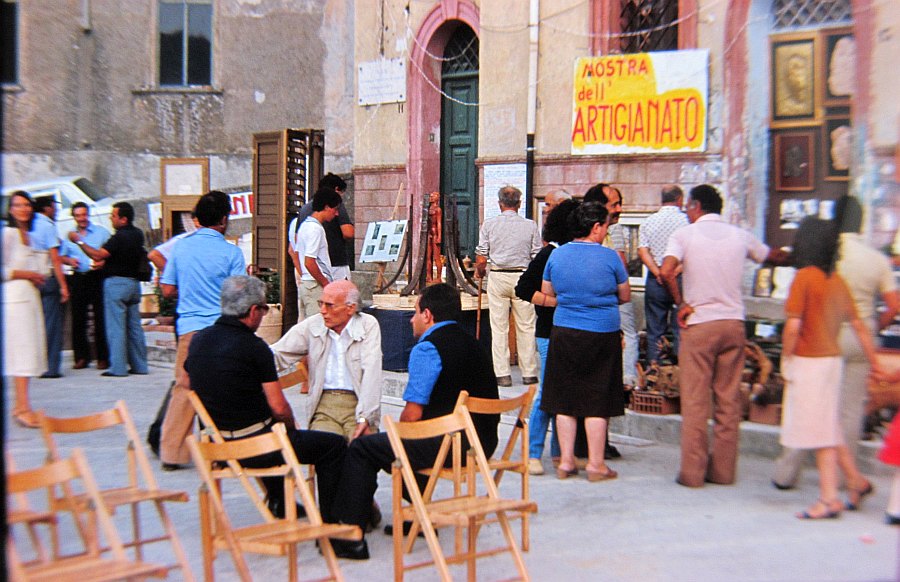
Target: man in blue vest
445,361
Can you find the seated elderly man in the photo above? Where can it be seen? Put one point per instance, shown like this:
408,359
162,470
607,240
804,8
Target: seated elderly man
233,372
445,361
344,360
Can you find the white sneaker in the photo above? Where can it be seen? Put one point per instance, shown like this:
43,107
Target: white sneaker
535,467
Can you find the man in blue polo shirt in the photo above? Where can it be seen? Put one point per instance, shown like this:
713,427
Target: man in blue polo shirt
199,265
445,361
86,288
54,291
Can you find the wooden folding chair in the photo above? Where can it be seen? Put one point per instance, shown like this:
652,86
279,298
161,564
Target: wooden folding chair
464,508
141,486
19,511
518,439
210,432
218,462
89,565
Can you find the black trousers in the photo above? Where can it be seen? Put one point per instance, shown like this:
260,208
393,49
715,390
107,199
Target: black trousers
359,479
323,449
86,290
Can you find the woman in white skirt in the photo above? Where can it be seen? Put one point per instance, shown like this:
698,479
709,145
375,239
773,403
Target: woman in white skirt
817,304
24,269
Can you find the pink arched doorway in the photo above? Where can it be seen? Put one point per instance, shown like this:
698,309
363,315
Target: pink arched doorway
424,101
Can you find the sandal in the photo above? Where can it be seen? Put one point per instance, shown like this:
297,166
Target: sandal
855,496
594,476
25,419
832,510
566,473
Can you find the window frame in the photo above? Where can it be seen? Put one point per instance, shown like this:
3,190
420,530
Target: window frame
16,64
185,85
605,24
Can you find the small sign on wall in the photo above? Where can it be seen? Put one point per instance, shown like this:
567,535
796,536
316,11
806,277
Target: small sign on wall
382,81
383,241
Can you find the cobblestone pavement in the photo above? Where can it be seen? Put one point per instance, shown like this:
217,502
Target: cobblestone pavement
641,526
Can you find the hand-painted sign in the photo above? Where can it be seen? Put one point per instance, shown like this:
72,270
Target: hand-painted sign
641,103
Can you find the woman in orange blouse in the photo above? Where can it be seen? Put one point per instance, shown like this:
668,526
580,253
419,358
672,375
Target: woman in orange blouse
817,304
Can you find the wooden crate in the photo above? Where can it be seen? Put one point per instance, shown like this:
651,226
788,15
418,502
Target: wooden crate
765,414
647,402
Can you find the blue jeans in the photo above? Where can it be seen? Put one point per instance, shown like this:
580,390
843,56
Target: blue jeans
121,307
659,309
53,323
537,424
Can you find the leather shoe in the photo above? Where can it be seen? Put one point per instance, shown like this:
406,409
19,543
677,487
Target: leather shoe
51,376
80,364
276,507
529,380
135,372
102,364
351,550
169,467
407,526
109,374
611,452
891,519
504,381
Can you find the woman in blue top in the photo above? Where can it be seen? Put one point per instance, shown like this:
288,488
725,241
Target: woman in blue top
584,362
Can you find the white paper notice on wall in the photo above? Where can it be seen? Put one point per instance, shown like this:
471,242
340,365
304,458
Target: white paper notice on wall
382,81
497,176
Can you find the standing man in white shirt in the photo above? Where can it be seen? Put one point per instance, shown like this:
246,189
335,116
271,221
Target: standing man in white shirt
312,251
509,242
659,307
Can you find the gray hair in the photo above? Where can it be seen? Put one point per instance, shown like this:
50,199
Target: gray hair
509,196
560,195
240,293
671,193
352,297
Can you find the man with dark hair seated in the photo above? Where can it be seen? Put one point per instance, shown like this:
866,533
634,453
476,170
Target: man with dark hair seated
445,361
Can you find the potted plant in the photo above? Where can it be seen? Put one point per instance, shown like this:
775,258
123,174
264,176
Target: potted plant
166,308
270,328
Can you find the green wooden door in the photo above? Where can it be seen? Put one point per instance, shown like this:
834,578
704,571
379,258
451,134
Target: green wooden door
459,147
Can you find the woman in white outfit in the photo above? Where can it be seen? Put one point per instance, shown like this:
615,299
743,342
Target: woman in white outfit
24,270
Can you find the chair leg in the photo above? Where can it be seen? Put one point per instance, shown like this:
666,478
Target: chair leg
471,561
136,532
175,541
331,560
206,535
512,545
292,562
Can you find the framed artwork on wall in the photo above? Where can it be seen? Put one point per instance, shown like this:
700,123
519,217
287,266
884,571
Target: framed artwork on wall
838,142
793,78
838,67
795,160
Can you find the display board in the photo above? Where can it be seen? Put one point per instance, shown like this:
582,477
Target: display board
383,241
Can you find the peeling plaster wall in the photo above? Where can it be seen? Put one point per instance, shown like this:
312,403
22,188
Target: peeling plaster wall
88,102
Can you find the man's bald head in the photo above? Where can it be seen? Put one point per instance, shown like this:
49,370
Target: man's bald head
338,304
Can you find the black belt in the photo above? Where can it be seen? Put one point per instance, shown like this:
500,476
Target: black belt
247,430
507,270
338,391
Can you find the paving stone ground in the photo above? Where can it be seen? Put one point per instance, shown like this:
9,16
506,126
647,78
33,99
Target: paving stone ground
641,526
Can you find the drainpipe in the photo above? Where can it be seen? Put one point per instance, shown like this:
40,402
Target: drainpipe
533,20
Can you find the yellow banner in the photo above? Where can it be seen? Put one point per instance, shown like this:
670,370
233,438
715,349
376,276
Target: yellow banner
644,102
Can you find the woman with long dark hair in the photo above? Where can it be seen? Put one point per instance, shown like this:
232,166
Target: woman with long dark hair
584,360
811,363
24,271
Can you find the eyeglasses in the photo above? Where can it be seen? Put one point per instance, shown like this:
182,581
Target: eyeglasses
329,306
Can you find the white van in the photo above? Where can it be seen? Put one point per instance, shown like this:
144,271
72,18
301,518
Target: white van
67,190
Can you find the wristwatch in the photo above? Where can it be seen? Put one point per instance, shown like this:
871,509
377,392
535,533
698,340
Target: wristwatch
80,243
361,420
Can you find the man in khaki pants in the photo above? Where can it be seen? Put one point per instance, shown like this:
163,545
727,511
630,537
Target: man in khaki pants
509,242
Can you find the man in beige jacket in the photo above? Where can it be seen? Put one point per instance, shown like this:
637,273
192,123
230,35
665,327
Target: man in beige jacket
343,350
